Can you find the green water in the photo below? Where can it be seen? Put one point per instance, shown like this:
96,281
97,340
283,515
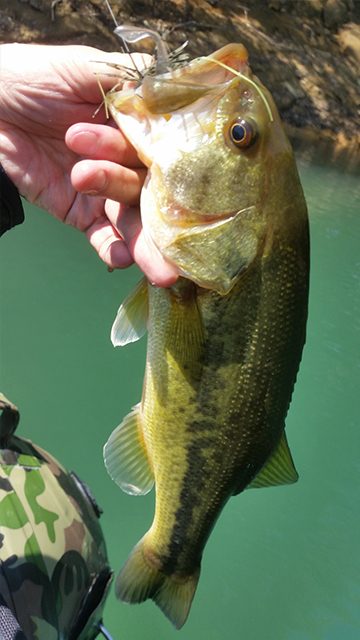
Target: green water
282,563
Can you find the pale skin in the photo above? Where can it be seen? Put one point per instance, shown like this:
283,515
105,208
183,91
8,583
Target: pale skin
78,167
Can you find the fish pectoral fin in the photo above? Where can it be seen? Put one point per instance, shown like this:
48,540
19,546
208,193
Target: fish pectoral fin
130,323
126,458
187,335
279,469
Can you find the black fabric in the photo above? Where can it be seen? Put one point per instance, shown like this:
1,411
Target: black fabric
9,626
93,600
11,209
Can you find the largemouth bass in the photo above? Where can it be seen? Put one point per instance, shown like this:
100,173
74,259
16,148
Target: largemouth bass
223,202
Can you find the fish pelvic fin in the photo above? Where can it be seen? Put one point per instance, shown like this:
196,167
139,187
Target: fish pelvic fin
130,323
126,458
140,579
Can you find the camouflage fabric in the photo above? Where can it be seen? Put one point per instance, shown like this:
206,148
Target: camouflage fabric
52,550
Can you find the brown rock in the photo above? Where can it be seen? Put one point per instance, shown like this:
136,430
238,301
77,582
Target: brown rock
349,40
310,8
336,12
7,22
276,5
35,4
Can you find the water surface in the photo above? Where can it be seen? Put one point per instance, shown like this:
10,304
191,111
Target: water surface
282,563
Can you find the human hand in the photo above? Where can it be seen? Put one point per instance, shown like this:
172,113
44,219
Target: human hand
44,90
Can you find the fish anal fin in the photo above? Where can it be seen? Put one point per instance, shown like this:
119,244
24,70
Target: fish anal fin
140,579
126,458
278,470
130,323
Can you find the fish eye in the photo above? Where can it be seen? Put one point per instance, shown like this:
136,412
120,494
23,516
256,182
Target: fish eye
243,133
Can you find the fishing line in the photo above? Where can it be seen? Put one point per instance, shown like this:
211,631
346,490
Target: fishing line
111,12
251,82
125,44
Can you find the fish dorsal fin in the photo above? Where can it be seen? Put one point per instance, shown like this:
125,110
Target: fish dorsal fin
279,469
130,323
126,458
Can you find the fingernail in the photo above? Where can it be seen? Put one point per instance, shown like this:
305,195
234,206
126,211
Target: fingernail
86,142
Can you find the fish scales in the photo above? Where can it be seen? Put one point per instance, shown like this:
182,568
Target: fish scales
224,203
236,389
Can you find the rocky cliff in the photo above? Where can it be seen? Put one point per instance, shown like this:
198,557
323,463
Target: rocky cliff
306,51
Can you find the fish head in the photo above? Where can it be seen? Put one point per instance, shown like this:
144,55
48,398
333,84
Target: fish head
211,138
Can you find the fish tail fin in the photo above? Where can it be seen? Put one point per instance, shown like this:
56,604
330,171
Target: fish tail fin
139,580
175,597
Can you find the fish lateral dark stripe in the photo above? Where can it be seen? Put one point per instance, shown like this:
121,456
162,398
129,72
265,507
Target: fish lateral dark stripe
189,499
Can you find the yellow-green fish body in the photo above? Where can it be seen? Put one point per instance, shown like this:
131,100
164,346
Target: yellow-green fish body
225,342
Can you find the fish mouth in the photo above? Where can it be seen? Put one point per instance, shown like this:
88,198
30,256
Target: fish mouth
141,112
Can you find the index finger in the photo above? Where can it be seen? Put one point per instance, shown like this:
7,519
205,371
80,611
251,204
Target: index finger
101,141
